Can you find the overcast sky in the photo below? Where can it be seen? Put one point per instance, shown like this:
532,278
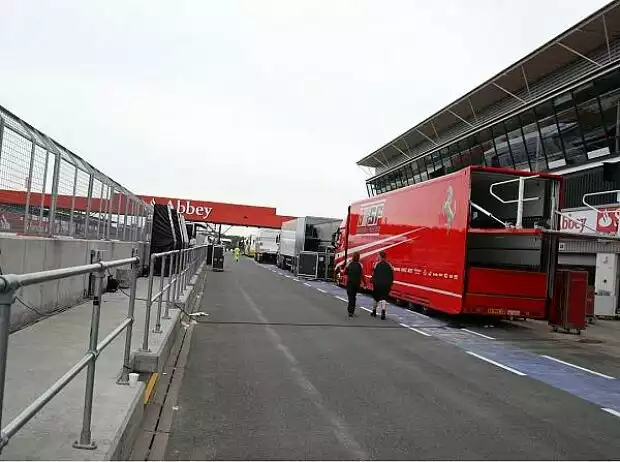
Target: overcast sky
255,102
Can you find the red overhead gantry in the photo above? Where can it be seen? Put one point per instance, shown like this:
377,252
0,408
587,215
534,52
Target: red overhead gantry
193,210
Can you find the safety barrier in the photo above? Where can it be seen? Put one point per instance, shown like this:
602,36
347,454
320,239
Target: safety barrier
179,266
184,263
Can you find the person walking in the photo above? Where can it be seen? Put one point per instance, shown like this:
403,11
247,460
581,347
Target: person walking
237,253
382,279
354,280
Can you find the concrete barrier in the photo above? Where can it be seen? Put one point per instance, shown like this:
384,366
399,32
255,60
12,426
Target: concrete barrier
28,254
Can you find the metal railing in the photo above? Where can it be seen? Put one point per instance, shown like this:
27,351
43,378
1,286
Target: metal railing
9,284
184,264
176,268
45,189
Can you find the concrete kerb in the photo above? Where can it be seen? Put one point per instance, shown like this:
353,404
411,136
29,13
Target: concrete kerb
149,362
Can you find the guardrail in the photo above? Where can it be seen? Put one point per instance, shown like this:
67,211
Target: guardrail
177,266
184,263
9,284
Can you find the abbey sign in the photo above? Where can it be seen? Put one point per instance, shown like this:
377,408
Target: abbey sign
221,213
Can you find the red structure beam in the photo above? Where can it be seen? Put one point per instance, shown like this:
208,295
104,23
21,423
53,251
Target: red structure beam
193,210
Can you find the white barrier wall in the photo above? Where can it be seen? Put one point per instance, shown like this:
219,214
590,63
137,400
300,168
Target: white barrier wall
24,254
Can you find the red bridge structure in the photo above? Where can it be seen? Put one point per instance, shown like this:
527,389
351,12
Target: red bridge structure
13,206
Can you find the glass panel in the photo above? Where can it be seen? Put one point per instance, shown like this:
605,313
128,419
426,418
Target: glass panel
550,135
591,121
533,141
423,167
516,142
485,139
570,131
609,95
476,151
502,148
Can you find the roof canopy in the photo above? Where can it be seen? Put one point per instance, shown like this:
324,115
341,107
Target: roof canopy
580,43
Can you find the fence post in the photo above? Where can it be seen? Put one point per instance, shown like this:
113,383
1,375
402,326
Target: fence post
6,300
164,260
147,316
75,181
170,272
55,181
86,441
135,266
177,281
29,185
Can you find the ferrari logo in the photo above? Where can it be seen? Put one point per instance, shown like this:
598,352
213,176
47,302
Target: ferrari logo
449,208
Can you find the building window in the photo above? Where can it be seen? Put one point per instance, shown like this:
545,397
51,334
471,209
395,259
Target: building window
552,144
516,143
570,130
476,151
533,141
485,138
609,96
502,148
591,121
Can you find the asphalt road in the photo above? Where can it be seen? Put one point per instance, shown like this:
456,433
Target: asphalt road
278,371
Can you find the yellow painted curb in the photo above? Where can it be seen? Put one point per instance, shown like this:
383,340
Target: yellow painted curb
150,387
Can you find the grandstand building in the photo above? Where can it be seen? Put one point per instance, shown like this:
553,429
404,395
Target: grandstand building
556,110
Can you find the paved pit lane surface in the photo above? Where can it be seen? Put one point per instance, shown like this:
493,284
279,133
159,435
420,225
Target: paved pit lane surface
278,371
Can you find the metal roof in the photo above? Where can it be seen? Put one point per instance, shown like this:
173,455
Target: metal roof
590,45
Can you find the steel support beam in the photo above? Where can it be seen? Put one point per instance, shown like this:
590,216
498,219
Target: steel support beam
459,117
581,55
509,93
426,136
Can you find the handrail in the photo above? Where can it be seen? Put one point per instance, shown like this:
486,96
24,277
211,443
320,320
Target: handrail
183,264
9,284
520,197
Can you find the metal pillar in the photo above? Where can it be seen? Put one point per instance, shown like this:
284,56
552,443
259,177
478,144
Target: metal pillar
75,180
89,204
164,262
86,441
29,186
147,316
6,300
54,198
135,267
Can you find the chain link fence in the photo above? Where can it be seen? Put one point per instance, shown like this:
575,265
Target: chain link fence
47,190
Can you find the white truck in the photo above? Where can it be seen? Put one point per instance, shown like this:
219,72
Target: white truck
266,245
305,235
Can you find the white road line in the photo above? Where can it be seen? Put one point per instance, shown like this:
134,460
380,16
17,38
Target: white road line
343,299
321,290
495,363
478,334
365,309
307,285
418,331
295,279
286,276
578,367
611,411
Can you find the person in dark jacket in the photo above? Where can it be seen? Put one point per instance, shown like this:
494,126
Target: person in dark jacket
382,279
354,280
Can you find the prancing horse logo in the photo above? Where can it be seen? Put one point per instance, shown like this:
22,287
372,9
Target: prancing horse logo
449,211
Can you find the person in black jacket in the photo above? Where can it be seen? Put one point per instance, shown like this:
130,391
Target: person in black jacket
382,279
354,280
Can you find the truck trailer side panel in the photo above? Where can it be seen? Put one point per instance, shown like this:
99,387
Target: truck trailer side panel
422,229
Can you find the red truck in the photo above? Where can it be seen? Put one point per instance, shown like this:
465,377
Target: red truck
476,241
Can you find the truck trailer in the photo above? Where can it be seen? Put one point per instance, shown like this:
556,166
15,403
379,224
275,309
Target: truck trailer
305,235
266,245
480,241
